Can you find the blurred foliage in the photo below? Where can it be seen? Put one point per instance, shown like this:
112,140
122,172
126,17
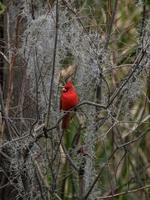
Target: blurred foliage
2,8
119,155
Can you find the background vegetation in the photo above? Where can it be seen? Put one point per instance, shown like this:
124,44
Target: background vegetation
104,48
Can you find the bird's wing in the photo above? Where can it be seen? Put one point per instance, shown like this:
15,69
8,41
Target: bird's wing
60,103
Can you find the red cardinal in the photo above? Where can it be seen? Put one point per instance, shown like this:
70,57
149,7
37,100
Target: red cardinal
68,99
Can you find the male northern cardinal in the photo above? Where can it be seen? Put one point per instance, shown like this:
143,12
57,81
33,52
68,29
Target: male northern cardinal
68,99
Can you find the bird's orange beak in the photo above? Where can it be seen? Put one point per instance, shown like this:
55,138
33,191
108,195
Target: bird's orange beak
64,89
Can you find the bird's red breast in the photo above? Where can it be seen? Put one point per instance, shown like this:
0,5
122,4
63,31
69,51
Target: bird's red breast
69,97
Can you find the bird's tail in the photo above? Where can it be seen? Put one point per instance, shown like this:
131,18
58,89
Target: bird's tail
65,122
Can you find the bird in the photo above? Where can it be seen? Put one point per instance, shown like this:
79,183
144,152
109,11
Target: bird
68,99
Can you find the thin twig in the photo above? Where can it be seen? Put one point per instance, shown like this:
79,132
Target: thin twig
53,66
142,28
3,117
134,140
111,25
124,193
5,57
69,158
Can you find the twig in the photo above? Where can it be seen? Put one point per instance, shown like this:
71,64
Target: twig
136,139
124,193
110,25
69,158
59,120
5,57
53,67
3,117
142,28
